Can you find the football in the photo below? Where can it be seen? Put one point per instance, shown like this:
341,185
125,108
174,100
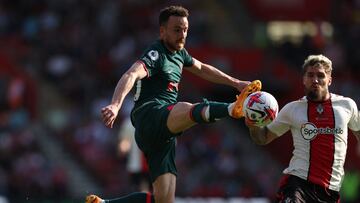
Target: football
260,108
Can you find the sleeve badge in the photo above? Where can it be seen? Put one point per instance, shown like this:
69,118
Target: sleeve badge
154,55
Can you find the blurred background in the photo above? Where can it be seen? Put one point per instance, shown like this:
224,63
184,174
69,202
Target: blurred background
60,62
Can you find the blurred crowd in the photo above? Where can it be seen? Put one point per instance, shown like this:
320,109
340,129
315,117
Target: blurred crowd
76,50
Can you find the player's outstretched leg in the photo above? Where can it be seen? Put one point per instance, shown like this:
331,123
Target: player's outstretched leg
93,199
137,197
237,111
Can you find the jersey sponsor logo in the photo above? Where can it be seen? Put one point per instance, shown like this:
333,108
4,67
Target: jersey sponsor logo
309,131
153,54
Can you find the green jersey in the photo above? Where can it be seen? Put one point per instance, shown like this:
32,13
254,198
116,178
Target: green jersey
164,70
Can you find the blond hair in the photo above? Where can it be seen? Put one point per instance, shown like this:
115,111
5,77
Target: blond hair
317,60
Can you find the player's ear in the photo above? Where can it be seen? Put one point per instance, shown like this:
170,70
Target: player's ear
330,80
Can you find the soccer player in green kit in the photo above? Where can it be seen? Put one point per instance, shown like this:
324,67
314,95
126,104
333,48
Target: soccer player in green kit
157,115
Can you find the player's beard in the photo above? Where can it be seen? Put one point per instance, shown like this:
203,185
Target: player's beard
315,95
177,45
174,46
312,95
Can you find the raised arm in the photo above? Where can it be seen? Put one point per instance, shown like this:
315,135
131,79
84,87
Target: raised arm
123,87
214,75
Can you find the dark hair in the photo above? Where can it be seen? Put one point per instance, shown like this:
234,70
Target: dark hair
166,12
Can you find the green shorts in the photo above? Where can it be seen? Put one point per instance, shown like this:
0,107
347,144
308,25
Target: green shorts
154,138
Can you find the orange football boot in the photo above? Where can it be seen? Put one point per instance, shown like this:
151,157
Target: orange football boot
93,199
254,86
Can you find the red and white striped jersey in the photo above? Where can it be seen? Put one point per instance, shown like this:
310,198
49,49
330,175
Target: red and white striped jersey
320,137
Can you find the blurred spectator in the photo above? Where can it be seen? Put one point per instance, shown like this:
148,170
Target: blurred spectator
136,164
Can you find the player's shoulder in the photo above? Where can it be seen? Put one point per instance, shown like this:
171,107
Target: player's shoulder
342,99
155,48
156,45
298,102
153,53
294,105
337,97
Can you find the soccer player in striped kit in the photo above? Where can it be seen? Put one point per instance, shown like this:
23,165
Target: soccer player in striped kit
319,125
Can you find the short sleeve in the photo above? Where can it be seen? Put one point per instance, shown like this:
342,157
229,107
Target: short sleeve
152,60
188,59
354,123
282,122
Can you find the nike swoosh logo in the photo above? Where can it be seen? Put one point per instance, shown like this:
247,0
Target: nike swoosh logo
259,112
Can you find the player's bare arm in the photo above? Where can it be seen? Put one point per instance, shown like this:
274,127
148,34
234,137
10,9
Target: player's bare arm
261,135
123,87
215,75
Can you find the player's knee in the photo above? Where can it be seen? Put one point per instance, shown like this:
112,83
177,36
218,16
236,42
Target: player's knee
183,106
161,197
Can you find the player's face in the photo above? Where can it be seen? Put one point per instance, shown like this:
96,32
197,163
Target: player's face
317,82
174,33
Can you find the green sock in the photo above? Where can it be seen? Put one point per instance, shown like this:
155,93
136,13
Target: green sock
137,197
196,112
218,110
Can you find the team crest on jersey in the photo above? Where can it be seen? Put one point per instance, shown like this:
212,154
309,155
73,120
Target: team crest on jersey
320,109
153,54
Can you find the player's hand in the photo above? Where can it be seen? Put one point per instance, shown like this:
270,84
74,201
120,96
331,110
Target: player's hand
249,123
109,114
242,84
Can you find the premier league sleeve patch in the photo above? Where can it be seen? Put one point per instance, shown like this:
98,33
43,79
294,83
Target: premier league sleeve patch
154,55
152,61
